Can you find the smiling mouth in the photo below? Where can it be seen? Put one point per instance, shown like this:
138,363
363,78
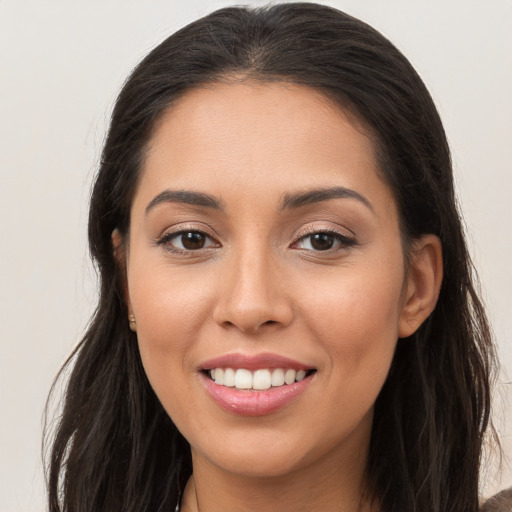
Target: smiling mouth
258,380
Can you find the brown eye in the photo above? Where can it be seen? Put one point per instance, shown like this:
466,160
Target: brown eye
187,241
192,240
322,241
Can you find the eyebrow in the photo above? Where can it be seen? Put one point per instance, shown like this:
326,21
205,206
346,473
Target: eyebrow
292,201
186,197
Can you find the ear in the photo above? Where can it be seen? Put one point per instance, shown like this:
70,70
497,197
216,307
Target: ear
118,248
423,283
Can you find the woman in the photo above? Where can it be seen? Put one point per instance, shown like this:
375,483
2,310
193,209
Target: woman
287,316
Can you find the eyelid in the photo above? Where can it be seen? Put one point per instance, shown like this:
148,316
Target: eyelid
181,227
174,231
346,240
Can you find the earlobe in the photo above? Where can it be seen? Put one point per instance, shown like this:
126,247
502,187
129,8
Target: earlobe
424,278
120,257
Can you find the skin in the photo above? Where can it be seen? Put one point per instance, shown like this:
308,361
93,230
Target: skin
259,285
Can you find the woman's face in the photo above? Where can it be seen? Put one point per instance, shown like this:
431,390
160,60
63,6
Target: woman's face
264,246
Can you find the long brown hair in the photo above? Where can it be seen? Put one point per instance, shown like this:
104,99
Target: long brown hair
114,447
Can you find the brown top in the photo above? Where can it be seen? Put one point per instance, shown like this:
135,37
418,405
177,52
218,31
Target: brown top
501,502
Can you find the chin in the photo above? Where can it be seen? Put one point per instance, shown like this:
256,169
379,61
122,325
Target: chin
259,464
271,453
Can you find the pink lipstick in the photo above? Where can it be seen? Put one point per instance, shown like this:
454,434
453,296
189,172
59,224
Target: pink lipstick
255,385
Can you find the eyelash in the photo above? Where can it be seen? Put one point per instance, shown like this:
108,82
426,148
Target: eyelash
165,240
344,242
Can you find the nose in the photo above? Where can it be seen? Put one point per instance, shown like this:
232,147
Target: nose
253,295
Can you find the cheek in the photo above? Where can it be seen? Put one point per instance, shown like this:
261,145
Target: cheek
170,311
355,318
168,305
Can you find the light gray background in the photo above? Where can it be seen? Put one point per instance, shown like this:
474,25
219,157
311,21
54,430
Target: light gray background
61,65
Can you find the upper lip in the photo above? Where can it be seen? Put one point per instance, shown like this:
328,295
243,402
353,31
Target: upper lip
253,362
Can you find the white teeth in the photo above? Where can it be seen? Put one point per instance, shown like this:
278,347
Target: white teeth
243,379
278,377
218,376
259,380
229,377
300,375
289,377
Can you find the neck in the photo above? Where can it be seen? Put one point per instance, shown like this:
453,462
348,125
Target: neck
332,485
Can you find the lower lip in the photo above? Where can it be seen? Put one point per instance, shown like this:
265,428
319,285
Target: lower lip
255,403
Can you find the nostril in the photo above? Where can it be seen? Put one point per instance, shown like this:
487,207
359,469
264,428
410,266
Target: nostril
251,317
249,325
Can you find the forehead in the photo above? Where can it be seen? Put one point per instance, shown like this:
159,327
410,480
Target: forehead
257,138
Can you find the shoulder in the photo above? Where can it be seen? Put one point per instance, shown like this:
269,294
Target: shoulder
501,502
